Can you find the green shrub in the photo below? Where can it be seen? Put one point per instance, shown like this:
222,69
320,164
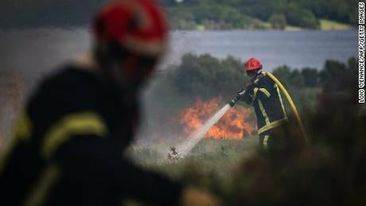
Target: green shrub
301,18
278,21
206,77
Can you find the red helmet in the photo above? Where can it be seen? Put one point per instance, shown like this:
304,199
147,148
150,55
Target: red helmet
136,25
252,64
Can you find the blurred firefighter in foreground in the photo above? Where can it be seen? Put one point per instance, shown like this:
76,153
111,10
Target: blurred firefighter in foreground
264,95
68,145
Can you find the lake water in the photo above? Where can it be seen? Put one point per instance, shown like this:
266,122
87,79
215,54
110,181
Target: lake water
40,50
274,48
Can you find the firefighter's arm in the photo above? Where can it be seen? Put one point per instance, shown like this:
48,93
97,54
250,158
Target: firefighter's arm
255,90
247,95
78,143
95,160
77,140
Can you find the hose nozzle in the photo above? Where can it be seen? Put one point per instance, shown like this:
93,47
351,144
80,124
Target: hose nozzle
233,101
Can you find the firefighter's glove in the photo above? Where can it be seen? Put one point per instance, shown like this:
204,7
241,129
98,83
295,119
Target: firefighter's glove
237,98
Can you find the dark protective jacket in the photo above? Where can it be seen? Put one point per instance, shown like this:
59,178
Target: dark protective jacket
264,95
67,148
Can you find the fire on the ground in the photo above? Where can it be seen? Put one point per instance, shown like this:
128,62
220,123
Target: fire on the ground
234,124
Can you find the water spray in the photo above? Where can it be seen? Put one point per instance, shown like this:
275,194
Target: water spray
184,149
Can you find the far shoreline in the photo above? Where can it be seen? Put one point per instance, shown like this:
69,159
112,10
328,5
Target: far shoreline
74,28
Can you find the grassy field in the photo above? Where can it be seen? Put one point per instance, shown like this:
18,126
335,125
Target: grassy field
328,25
211,164
325,25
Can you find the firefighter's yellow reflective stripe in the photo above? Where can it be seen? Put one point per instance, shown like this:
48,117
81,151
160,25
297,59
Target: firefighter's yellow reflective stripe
281,101
265,91
271,125
86,123
40,190
22,132
23,127
255,91
264,113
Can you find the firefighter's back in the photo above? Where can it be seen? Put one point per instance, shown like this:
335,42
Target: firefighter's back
34,168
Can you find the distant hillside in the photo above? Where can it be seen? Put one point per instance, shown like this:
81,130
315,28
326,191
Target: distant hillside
188,14
253,13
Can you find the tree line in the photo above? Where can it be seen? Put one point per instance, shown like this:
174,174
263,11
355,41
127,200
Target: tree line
205,76
187,14
244,13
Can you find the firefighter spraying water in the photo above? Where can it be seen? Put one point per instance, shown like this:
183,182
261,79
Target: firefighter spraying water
263,92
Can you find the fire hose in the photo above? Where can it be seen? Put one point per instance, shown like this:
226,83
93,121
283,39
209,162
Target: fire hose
291,102
288,98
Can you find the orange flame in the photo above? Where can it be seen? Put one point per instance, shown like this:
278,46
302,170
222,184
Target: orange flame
233,125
